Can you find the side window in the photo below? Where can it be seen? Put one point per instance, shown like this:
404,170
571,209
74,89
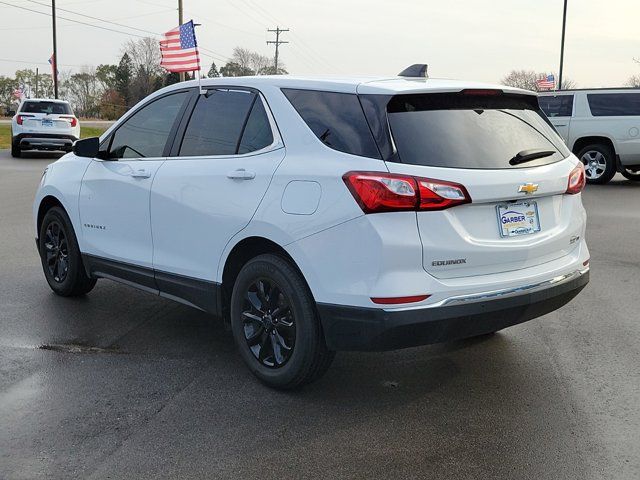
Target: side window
614,104
336,119
145,133
216,123
557,105
257,132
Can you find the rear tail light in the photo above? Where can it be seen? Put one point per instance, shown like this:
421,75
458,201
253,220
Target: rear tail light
378,192
72,120
20,118
577,180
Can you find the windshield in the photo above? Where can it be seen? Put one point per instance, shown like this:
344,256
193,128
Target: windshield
471,131
56,108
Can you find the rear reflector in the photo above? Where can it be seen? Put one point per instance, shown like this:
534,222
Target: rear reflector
586,262
577,180
378,192
397,300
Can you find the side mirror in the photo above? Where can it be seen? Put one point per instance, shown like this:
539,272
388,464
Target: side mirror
88,147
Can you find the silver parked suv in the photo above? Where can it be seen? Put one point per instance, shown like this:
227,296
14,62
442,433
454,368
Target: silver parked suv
601,126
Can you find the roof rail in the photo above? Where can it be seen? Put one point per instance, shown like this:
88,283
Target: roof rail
417,70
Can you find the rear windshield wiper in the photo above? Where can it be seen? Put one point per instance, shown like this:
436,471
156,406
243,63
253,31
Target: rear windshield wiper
529,155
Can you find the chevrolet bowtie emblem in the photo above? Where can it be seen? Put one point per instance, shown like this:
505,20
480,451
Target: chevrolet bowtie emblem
528,188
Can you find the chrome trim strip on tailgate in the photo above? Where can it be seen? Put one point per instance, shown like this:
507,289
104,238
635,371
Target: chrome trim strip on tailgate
503,293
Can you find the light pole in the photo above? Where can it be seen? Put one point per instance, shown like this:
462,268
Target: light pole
54,64
564,26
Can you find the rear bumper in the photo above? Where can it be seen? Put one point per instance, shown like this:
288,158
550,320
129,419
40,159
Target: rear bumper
44,141
360,328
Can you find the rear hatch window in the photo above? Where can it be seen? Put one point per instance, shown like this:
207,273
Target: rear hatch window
47,108
469,130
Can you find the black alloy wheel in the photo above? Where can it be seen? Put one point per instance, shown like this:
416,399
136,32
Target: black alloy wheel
275,323
60,256
56,252
268,323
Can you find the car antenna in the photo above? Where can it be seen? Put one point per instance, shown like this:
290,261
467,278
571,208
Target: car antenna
417,70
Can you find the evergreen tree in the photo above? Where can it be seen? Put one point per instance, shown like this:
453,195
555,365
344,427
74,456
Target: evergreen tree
122,78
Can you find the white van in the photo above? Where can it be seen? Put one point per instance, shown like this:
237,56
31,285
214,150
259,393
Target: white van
601,126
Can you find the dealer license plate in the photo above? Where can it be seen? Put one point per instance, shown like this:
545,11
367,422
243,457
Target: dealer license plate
47,123
519,218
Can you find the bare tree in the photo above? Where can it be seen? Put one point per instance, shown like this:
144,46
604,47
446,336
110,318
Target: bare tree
148,75
246,62
633,81
242,57
526,79
85,91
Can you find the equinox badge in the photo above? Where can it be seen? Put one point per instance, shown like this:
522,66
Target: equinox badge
528,188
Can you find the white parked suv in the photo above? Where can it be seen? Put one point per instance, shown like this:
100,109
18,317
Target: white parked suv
43,124
601,126
318,215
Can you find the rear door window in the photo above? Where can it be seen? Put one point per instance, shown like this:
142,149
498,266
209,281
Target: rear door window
336,119
257,132
614,104
48,108
556,105
217,123
457,130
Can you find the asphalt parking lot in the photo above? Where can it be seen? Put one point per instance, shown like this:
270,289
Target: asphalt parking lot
129,385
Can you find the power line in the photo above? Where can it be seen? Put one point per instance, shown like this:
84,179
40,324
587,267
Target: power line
12,60
72,20
95,18
277,42
303,45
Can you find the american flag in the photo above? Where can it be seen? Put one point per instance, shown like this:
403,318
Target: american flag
179,49
546,83
52,62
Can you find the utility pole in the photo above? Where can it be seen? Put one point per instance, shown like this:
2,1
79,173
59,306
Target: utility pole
54,64
277,42
564,25
180,20
36,82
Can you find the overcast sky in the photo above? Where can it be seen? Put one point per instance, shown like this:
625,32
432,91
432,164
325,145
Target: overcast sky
464,39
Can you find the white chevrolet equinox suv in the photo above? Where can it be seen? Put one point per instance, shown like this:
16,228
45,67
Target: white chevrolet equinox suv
318,215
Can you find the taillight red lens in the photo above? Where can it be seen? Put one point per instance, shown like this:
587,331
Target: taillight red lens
19,119
577,180
438,194
382,192
378,192
72,120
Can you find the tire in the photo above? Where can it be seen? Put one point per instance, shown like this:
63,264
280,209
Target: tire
275,324
599,162
60,256
630,175
15,150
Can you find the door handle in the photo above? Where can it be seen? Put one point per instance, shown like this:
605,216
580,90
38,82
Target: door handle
561,125
141,173
241,174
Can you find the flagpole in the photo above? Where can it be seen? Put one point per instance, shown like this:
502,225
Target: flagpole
200,89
